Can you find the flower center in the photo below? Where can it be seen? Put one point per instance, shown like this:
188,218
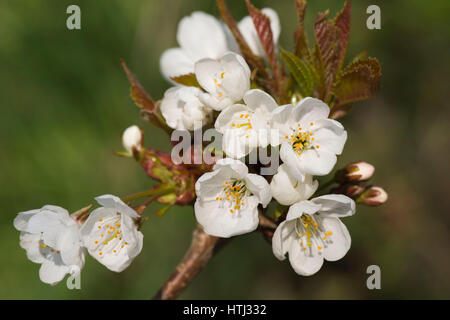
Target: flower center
301,140
311,233
48,251
108,236
218,79
233,195
243,122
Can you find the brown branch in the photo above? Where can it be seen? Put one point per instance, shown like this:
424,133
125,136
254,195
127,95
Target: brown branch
202,249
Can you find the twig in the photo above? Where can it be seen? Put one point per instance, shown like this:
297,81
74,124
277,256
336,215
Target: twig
202,249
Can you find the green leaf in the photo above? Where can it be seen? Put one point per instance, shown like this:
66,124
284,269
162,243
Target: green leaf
303,72
189,80
360,80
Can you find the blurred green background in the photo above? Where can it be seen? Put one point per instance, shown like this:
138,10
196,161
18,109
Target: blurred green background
65,102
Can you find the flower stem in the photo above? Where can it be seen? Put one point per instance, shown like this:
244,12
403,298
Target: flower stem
325,185
158,191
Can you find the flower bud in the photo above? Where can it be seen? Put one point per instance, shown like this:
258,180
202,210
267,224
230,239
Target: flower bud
355,171
132,139
373,196
350,190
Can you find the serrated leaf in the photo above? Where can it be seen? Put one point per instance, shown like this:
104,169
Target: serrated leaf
327,53
342,22
301,70
264,31
138,93
301,41
189,80
254,61
142,99
360,80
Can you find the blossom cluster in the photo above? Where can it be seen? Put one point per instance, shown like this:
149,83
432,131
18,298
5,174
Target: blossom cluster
228,197
215,84
56,240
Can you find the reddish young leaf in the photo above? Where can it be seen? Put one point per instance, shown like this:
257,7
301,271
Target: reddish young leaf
360,80
254,61
149,111
264,31
342,22
301,41
327,53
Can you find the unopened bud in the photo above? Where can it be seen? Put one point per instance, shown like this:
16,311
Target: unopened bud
373,196
350,190
356,171
132,139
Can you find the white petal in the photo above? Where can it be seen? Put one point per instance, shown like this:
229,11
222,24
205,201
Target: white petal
236,165
235,145
69,246
316,162
287,190
218,221
257,98
259,187
201,35
298,209
293,162
214,103
330,136
305,263
282,239
335,205
182,109
22,218
210,184
309,110
30,242
282,120
236,81
50,225
341,240
174,62
226,117
113,202
52,273
206,71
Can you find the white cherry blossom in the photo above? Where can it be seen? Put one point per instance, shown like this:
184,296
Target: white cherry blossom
110,233
225,80
51,237
246,126
228,197
313,232
288,190
201,35
309,140
182,109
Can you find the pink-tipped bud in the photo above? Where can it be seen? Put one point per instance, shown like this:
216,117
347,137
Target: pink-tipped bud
356,171
373,196
350,190
132,139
